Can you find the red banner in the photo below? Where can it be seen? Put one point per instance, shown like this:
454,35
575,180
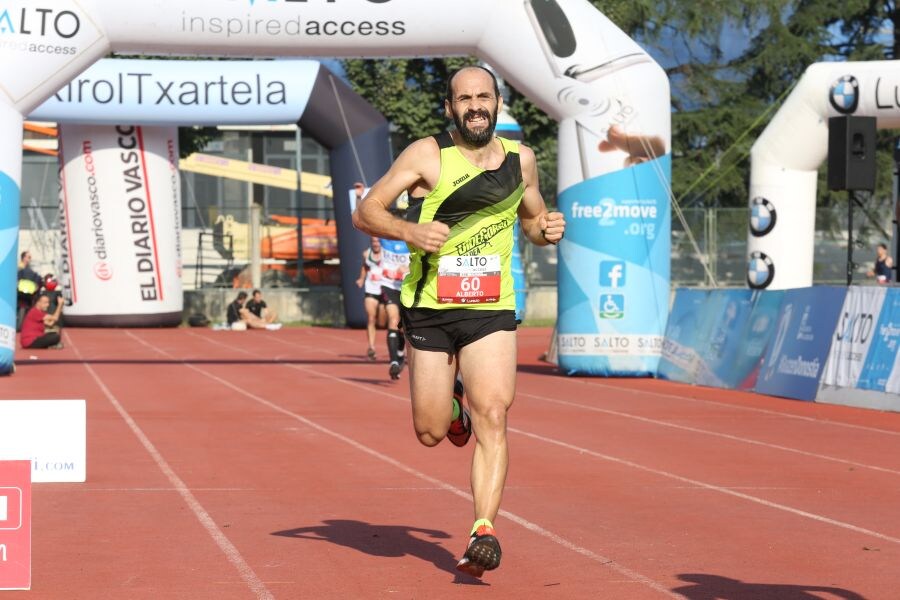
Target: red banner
15,525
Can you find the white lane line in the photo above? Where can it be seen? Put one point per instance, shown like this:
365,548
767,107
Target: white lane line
738,407
677,426
726,436
530,526
709,486
688,399
231,552
693,482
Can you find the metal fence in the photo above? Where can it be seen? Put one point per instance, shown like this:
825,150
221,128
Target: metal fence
720,234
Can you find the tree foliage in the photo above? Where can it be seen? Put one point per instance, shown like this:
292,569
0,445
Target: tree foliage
730,65
410,93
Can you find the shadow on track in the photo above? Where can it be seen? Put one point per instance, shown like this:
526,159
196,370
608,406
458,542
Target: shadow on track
389,541
716,587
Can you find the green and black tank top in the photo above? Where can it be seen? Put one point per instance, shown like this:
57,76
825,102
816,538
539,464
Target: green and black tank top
472,269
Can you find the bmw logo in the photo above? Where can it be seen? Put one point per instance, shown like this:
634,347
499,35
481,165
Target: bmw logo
844,95
760,271
762,216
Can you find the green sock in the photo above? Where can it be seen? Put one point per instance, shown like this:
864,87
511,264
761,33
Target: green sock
455,409
479,523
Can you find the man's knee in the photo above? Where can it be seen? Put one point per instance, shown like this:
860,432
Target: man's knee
430,436
492,418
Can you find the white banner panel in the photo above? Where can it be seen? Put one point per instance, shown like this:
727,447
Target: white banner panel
853,336
51,434
49,38
120,207
182,92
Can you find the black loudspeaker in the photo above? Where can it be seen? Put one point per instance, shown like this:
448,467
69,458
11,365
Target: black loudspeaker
851,153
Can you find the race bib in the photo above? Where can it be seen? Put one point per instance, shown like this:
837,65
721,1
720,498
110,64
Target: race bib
468,279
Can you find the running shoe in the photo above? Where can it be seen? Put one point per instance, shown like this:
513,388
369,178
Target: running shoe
394,370
461,428
482,553
371,353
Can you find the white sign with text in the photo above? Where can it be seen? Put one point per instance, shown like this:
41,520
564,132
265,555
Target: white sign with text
52,434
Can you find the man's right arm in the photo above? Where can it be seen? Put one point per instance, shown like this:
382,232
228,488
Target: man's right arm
415,165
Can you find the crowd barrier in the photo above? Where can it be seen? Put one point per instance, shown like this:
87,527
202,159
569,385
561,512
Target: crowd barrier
825,344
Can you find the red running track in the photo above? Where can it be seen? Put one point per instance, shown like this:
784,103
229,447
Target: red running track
283,465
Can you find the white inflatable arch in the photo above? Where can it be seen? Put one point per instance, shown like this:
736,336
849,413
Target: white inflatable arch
786,158
565,55
188,92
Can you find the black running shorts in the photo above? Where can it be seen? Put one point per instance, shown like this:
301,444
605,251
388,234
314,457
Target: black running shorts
451,329
379,297
390,296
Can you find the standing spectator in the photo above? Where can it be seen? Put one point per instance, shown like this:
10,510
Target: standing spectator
884,265
28,285
40,329
51,286
258,307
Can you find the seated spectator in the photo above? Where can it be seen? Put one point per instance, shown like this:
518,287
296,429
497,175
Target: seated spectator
239,317
40,329
258,307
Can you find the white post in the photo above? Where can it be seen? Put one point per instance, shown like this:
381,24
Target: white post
255,238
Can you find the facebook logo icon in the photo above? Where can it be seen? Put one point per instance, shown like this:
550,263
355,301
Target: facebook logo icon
612,273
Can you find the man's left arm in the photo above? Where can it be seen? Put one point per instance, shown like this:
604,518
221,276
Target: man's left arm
538,225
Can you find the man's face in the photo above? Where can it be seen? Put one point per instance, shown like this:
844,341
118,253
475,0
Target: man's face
257,296
474,107
376,245
882,252
27,259
43,303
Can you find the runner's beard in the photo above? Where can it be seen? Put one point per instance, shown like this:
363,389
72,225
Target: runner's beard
481,138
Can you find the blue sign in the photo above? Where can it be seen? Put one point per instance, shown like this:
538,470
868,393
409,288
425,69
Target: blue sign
879,366
724,334
796,357
679,352
612,274
613,271
753,341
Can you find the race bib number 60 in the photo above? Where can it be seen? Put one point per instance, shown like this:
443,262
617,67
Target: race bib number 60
468,279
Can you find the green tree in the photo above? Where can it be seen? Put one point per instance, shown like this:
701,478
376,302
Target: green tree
410,93
730,64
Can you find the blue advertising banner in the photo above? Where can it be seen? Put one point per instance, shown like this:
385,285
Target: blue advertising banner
679,352
9,243
796,357
879,367
728,312
743,370
614,271
716,337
